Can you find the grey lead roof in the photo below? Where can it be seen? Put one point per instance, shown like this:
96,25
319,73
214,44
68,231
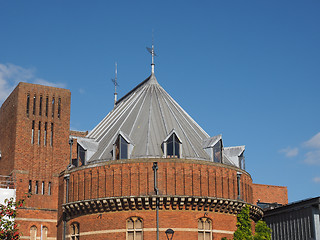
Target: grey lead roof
146,116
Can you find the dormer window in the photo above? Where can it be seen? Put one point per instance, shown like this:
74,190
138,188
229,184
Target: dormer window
172,146
122,147
242,164
217,152
213,147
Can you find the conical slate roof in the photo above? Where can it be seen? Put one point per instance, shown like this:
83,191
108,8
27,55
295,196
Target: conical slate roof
145,117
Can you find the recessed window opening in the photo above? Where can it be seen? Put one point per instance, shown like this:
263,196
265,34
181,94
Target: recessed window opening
217,152
36,191
34,105
30,186
81,156
40,106
49,188
42,188
28,104
134,228
45,134
59,107
173,147
53,107
238,185
47,105
121,148
32,133
204,229
39,133
51,135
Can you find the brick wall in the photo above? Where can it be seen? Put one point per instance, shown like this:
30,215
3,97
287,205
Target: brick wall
269,193
136,178
184,178
35,160
8,122
112,225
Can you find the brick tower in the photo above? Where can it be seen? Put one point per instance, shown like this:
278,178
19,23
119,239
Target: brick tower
34,134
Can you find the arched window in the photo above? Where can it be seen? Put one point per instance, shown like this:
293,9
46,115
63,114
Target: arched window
74,231
134,228
121,148
44,233
204,229
172,146
33,233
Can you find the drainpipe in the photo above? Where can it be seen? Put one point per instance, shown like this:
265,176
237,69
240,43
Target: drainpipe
66,178
70,143
155,168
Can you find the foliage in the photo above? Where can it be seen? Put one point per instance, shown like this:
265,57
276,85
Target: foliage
263,232
224,238
243,231
8,229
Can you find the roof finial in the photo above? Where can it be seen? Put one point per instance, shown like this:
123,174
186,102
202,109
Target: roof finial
151,50
114,80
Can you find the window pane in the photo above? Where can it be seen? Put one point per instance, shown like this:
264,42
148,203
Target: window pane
200,236
138,224
217,152
200,224
34,105
33,233
130,236
177,150
44,233
130,224
169,149
124,149
207,225
138,236
40,106
28,103
207,236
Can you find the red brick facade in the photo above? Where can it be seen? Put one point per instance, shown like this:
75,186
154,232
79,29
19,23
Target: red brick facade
102,197
178,178
269,194
34,146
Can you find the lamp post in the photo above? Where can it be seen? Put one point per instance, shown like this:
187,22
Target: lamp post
169,233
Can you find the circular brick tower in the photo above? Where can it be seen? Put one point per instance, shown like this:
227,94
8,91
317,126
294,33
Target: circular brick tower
148,167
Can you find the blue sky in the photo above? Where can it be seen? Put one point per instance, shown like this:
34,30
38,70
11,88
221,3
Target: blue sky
248,70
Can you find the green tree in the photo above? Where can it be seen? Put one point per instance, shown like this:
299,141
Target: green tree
243,231
8,212
263,232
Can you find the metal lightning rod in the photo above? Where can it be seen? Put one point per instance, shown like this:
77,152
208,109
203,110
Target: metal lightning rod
114,80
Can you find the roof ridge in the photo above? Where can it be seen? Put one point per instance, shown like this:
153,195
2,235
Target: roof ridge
153,80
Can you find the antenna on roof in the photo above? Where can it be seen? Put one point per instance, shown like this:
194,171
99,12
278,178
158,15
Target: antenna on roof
114,80
151,50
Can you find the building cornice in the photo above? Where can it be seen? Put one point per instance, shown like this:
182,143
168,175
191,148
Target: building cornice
166,202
